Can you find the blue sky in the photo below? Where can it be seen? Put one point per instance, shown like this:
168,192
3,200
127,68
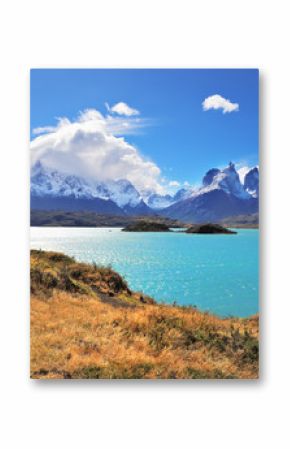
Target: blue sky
177,134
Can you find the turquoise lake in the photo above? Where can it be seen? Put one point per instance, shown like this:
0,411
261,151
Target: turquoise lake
216,273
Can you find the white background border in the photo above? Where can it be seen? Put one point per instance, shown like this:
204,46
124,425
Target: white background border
160,414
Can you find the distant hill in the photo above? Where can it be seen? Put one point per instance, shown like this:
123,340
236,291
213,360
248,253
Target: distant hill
242,221
62,218
91,219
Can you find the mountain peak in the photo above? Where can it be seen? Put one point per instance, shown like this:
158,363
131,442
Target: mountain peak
208,177
37,167
251,182
226,179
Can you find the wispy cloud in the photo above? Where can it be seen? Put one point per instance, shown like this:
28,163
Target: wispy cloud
43,130
218,102
174,184
118,126
122,108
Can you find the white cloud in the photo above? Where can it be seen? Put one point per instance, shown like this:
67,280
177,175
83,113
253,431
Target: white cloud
122,108
219,102
89,146
174,184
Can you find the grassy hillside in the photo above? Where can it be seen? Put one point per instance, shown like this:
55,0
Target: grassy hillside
86,323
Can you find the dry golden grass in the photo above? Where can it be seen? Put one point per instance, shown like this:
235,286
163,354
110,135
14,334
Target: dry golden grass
118,334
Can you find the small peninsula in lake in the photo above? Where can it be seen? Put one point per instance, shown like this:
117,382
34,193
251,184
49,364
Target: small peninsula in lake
147,226
209,228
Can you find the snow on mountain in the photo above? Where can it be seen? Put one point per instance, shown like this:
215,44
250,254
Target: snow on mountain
222,194
156,201
226,179
47,182
183,194
243,184
123,193
242,173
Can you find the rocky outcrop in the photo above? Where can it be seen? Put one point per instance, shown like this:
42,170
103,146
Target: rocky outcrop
209,228
146,226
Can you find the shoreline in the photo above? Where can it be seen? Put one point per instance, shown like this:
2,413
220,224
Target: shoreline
60,218
257,227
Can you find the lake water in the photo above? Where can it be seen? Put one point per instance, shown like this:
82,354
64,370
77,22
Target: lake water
216,273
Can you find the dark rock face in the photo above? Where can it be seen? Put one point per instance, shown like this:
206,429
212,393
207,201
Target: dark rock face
209,228
208,177
181,194
251,182
144,226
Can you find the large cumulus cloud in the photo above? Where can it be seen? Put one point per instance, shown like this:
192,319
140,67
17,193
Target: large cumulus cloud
92,146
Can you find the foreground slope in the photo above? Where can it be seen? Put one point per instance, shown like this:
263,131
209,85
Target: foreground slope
86,323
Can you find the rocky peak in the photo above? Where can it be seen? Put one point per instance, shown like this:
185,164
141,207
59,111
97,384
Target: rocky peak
208,177
251,182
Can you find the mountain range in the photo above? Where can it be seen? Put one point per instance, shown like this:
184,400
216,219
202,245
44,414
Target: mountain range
223,193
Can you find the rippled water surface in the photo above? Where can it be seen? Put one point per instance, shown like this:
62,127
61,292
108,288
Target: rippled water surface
218,273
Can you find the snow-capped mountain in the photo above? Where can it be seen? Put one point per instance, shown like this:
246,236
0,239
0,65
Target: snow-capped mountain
226,180
183,194
221,195
52,189
158,202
